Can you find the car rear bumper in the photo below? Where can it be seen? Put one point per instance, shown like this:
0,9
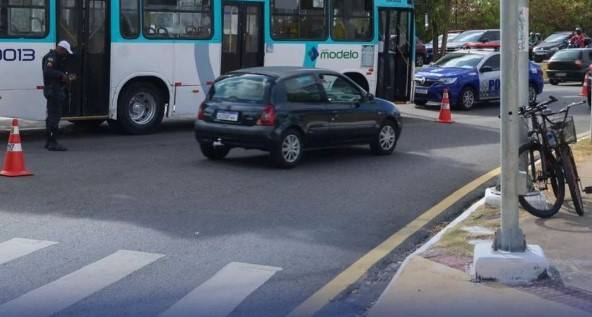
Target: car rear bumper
248,137
567,75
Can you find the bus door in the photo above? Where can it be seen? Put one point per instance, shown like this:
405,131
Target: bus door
85,25
242,42
395,62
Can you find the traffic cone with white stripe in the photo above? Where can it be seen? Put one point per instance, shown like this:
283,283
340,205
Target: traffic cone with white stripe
586,87
445,113
14,161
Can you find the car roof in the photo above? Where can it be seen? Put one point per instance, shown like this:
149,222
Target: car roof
477,52
281,72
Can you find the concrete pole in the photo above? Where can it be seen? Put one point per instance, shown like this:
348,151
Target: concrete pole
523,81
510,237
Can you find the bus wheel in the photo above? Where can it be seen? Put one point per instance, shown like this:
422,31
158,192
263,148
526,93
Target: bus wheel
140,108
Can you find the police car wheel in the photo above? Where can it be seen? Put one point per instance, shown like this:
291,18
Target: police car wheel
532,95
466,99
140,109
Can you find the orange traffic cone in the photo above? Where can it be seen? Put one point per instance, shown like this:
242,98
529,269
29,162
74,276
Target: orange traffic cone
586,87
445,113
14,161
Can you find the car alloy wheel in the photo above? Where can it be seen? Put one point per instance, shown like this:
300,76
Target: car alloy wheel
532,95
467,99
387,138
291,148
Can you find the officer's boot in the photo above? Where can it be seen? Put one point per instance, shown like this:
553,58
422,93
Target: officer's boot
52,143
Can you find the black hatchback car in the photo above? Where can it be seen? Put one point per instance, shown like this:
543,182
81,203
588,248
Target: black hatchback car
570,65
285,110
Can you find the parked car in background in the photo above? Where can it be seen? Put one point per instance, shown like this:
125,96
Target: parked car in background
481,36
430,45
285,110
492,45
469,76
551,45
420,52
569,65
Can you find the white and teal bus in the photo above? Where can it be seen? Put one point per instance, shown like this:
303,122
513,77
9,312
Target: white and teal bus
139,61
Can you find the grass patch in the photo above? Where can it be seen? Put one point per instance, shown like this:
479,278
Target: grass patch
582,149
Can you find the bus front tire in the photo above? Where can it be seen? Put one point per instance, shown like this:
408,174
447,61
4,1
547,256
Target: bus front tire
140,108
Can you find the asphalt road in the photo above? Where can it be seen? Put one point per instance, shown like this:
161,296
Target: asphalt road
187,219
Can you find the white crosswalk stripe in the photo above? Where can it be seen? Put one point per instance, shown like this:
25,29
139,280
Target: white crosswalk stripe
17,247
223,292
70,289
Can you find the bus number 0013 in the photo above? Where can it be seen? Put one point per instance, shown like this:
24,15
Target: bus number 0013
17,55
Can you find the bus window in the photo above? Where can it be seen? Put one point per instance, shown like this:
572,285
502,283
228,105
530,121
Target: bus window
351,20
130,19
299,19
188,19
23,18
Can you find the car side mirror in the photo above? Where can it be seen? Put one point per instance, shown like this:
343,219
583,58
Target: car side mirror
486,69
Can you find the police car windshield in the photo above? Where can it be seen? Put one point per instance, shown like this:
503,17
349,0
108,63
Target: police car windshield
469,36
460,60
241,88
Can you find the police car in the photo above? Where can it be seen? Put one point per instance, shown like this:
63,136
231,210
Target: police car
469,76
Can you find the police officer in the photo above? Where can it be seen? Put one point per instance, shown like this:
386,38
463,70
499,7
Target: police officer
55,80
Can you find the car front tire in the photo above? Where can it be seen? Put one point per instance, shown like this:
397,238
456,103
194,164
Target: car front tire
212,152
289,150
385,141
466,99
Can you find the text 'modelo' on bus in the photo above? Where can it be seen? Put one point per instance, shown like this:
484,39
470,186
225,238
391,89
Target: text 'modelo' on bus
139,61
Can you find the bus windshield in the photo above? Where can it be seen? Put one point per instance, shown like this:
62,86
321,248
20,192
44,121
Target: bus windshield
460,60
241,88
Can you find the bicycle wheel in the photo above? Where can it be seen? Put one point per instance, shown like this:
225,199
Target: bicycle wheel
545,180
571,177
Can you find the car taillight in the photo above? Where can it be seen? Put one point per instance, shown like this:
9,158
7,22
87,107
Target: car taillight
267,117
579,64
200,113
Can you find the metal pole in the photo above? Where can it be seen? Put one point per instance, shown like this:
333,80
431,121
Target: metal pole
510,237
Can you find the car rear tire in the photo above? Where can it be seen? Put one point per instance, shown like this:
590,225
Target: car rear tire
385,141
532,94
212,152
140,108
419,61
289,150
466,99
554,82
420,103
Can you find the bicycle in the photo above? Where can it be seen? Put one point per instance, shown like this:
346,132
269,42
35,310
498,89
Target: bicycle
546,181
551,139
565,133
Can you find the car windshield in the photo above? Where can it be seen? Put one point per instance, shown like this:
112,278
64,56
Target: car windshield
469,36
242,88
556,37
567,55
460,60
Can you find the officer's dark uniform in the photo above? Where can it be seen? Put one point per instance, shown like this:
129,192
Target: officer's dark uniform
55,93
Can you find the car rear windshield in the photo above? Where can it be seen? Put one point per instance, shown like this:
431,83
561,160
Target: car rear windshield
460,60
469,36
556,37
567,55
241,88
